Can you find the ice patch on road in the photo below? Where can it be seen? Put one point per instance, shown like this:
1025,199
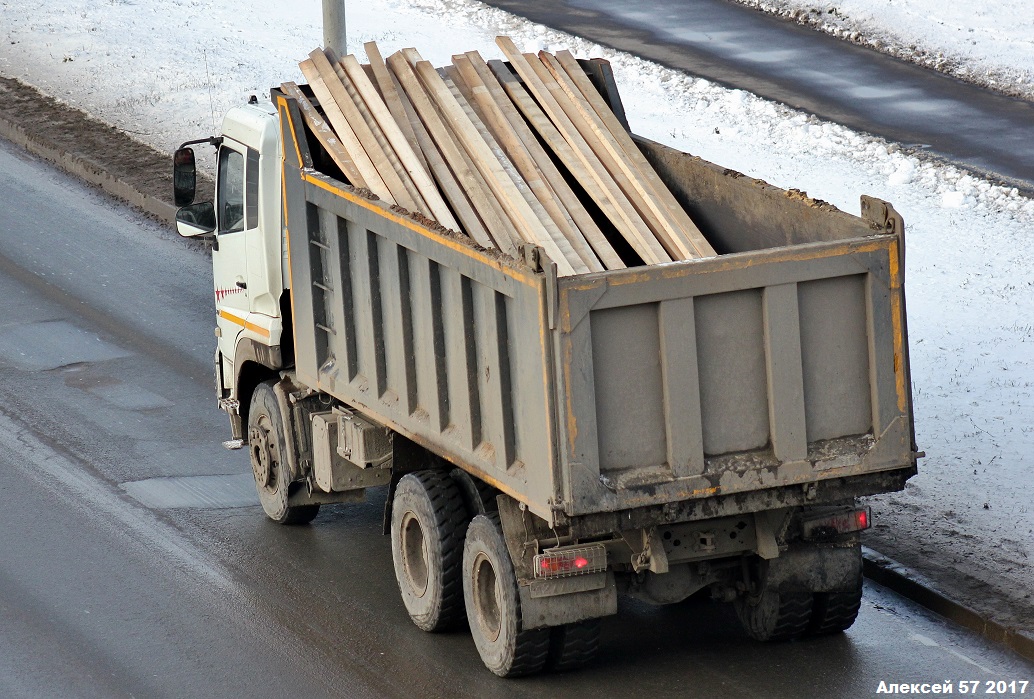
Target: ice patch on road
207,492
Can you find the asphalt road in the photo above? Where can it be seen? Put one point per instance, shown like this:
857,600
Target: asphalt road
134,560
776,59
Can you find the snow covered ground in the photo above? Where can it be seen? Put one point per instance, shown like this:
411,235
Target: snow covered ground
165,69
989,43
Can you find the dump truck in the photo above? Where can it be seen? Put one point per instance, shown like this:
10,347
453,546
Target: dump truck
549,444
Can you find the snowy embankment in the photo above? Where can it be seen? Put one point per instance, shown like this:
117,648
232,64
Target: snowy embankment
165,69
987,43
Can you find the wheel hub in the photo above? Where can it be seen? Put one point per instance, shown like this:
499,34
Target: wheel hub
262,458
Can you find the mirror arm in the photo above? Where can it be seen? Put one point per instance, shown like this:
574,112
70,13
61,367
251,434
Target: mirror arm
213,140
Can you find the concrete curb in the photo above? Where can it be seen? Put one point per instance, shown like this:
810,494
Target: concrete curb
912,585
88,171
876,566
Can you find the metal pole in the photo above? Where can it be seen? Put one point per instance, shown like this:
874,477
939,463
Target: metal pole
334,36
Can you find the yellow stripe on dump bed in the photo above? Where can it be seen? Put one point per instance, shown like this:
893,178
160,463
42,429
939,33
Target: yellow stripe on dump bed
422,230
897,318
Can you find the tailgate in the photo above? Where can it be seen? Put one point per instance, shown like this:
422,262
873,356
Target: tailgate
732,374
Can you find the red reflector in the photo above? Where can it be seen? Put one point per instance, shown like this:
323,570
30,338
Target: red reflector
557,563
840,523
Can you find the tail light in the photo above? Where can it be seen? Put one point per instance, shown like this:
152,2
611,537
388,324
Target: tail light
844,522
561,563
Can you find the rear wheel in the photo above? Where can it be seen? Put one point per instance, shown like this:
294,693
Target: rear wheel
494,605
572,646
267,446
836,609
810,591
428,521
775,614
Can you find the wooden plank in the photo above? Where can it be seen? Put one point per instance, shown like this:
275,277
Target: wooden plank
432,198
598,185
451,190
574,127
523,186
613,157
382,154
349,139
368,69
527,224
496,221
583,221
585,166
613,124
465,175
325,134
603,76
493,118
340,95
515,237
389,93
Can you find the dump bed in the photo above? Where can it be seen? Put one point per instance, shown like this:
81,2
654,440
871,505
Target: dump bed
772,375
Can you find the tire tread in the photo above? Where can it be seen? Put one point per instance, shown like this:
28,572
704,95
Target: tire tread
835,611
573,646
530,646
450,523
792,616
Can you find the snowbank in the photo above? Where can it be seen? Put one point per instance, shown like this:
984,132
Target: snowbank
988,43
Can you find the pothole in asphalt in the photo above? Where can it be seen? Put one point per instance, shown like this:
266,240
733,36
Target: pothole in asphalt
52,344
111,390
207,492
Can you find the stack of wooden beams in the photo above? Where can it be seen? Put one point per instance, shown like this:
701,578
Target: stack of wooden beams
506,153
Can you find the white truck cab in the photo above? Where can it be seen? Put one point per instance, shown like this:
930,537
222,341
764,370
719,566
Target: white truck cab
245,225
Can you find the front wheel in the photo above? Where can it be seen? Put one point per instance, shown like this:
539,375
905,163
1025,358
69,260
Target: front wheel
494,604
267,446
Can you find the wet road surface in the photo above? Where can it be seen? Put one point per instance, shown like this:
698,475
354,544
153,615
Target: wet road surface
108,589
776,59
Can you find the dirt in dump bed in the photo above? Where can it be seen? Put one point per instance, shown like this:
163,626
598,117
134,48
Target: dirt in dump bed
71,130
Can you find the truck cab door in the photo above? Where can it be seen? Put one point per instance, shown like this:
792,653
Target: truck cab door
236,213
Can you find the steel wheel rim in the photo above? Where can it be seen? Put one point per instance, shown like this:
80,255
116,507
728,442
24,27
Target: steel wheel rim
486,597
414,553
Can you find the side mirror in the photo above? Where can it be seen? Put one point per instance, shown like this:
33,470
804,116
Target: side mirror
196,220
184,177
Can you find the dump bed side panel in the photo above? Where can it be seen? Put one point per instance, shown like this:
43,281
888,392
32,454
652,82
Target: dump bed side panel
740,214
442,342
732,374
